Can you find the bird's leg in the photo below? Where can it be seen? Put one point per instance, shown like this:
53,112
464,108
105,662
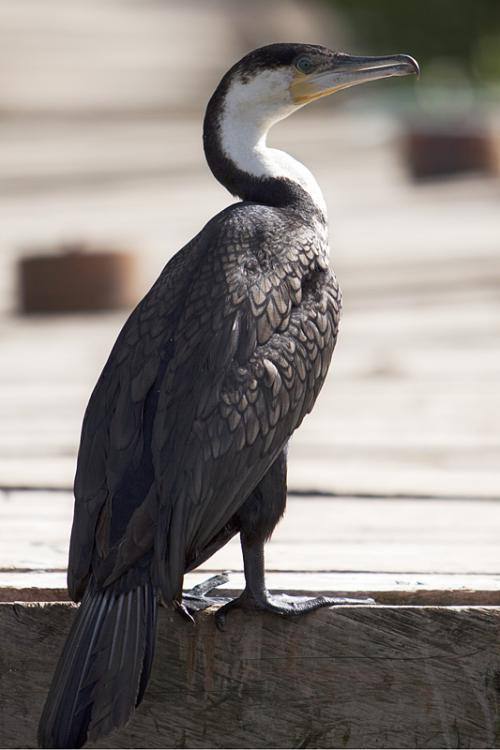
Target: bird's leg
257,598
256,520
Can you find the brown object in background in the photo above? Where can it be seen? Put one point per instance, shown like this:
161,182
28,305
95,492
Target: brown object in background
76,279
437,150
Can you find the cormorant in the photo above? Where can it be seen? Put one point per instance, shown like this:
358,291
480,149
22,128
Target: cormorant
184,439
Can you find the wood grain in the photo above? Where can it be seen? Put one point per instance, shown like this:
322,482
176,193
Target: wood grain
393,677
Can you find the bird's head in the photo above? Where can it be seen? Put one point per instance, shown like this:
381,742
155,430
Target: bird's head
267,85
278,79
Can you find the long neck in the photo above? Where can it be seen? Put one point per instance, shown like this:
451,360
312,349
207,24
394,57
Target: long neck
235,145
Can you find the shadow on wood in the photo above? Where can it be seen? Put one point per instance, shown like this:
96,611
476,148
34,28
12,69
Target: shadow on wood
408,677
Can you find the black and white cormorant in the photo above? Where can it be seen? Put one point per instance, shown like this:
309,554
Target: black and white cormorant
184,439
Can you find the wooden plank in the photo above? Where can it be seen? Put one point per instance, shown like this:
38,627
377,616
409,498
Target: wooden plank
392,677
354,534
385,588
375,427
410,405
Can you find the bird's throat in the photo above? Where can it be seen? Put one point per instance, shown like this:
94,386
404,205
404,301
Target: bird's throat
235,140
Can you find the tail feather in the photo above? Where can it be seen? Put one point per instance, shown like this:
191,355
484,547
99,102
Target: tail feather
149,649
104,667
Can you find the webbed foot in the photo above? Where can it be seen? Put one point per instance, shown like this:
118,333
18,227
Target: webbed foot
282,604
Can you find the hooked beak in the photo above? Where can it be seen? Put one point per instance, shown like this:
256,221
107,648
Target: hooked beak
349,70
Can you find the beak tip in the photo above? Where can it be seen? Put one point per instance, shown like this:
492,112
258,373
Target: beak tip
412,64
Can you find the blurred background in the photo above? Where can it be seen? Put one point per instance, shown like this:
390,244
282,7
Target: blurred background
103,178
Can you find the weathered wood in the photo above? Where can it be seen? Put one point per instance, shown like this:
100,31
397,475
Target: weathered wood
385,588
393,677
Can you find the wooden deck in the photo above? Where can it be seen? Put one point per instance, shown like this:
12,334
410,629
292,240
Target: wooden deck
419,669
412,403
317,534
394,477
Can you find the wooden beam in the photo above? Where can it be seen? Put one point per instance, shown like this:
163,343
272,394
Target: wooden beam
406,677
385,588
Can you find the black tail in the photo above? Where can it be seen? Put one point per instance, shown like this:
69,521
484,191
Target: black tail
104,667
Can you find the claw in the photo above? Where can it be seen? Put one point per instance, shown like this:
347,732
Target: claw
220,620
184,612
220,615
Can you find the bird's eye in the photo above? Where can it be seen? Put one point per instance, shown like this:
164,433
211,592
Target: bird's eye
304,64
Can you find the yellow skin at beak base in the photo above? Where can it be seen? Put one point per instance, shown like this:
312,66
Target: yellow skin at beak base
303,90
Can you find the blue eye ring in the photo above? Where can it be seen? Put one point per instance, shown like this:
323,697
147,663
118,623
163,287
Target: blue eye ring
304,64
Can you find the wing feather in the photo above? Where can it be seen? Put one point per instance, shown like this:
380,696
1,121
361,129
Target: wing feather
112,432
214,370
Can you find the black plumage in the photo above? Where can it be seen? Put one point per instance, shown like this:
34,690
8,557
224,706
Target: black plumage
184,439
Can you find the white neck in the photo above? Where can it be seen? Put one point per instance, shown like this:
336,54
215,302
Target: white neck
244,125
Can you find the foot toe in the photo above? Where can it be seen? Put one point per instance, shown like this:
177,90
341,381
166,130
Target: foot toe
286,607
